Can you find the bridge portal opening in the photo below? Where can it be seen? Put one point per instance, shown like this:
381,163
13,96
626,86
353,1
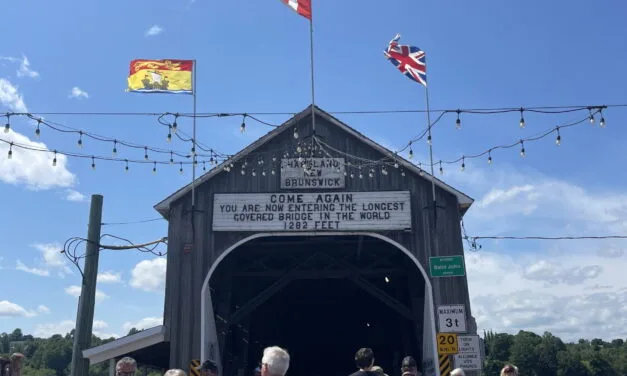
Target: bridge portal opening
321,298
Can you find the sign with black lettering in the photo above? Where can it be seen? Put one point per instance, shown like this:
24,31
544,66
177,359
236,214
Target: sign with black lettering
447,343
346,211
306,173
452,318
469,353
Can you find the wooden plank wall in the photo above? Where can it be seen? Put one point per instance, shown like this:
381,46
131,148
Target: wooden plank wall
186,272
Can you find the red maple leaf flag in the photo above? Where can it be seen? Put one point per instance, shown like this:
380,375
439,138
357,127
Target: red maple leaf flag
302,7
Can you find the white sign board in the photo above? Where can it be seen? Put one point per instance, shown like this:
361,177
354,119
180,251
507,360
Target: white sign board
469,355
307,173
346,211
452,318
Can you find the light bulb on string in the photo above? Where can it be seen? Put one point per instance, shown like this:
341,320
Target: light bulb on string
273,158
429,139
558,139
273,172
54,160
169,137
263,172
463,166
299,149
7,126
371,174
522,118
458,122
145,152
441,169
522,148
181,169
421,171
489,156
591,117
37,130
154,167
204,166
171,158
395,164
174,126
115,148
602,121
242,127
211,160
10,153
243,172
384,171
361,176
295,133
402,172
126,165
411,151
254,173
352,175
93,163
80,139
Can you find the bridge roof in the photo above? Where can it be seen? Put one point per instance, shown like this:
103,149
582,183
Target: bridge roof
163,207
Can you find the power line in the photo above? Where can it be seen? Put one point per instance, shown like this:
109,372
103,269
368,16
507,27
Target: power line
133,222
506,237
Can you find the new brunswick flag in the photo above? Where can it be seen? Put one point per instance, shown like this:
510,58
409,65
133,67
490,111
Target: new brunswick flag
161,76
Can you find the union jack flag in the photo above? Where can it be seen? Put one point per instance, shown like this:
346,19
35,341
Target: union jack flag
409,60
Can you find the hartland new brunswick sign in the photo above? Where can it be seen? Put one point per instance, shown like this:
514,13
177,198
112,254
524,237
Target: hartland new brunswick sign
304,173
344,211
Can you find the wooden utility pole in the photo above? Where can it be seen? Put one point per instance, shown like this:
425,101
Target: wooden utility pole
87,299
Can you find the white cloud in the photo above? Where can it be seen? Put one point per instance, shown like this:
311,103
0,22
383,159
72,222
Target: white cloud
149,275
50,329
47,330
24,69
43,309
77,92
145,323
33,168
10,96
37,271
52,258
10,309
24,66
109,277
75,291
75,196
154,30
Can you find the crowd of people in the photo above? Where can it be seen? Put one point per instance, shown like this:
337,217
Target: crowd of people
276,361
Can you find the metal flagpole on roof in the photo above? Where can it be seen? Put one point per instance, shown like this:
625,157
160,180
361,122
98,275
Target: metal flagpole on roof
194,138
430,141
311,53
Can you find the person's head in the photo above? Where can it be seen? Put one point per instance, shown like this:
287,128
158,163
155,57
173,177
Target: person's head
364,358
408,366
126,367
174,372
458,372
208,368
509,370
275,361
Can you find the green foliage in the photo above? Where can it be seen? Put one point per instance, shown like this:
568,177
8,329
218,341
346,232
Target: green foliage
547,355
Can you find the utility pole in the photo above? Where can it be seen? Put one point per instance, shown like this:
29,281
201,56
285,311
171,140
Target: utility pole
87,299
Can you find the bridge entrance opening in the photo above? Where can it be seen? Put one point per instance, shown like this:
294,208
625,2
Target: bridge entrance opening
321,298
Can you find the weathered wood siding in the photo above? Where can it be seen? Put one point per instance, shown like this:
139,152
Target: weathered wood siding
186,272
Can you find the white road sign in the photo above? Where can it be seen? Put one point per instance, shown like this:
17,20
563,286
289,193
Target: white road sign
469,355
452,318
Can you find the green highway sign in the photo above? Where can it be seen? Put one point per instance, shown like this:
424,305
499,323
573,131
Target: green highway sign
447,266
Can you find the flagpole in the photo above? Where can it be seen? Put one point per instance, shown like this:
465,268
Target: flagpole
431,157
311,53
194,138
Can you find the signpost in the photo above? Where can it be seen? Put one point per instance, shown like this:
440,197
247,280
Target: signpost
452,318
306,173
469,353
346,211
447,343
447,266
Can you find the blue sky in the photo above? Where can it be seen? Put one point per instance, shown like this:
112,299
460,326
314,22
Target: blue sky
253,57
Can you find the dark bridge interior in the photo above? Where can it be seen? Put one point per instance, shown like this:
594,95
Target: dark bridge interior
322,298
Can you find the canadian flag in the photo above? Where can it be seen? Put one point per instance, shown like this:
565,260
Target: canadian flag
302,7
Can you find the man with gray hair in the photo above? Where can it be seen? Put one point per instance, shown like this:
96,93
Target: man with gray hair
275,361
458,372
175,372
126,367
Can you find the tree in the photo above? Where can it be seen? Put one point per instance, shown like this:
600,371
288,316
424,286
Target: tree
523,352
16,335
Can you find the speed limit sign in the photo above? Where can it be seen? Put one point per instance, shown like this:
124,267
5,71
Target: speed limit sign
447,343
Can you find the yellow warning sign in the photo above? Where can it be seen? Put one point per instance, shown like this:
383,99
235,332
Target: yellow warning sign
447,343
445,365
192,368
